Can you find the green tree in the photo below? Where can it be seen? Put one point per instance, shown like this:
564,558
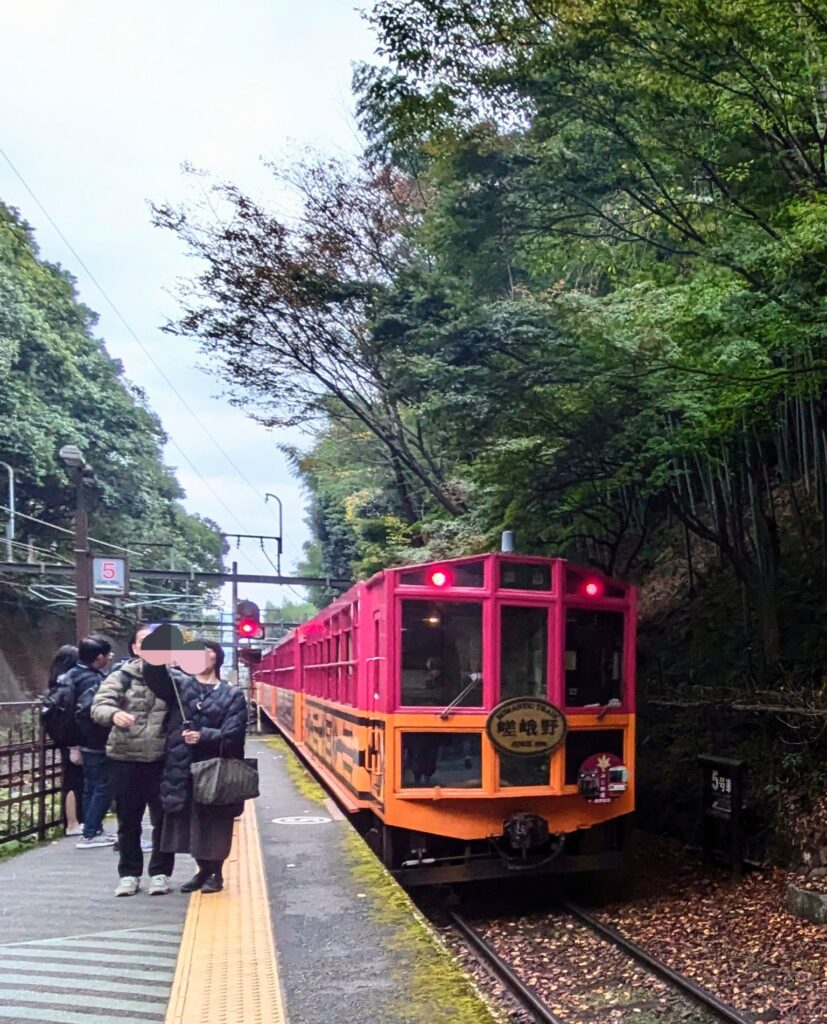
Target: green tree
61,386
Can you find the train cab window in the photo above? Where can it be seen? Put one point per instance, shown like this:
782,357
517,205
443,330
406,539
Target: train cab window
524,576
449,759
454,574
523,652
524,771
441,653
594,657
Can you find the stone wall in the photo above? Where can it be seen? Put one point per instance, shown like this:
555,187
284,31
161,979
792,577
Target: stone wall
28,641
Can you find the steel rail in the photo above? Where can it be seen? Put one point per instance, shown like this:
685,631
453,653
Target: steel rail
516,987
679,981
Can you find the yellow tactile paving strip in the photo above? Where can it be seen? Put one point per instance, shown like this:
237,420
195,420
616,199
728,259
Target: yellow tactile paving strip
226,971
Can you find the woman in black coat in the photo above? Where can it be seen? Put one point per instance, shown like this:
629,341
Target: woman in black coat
214,725
71,786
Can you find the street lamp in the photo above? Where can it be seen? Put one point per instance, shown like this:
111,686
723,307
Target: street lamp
73,458
281,529
10,522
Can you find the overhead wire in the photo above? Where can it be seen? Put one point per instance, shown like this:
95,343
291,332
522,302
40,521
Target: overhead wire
62,529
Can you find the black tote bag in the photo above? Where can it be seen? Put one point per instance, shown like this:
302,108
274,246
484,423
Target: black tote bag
224,780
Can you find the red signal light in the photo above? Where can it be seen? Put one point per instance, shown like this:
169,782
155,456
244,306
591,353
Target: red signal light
593,588
439,577
248,627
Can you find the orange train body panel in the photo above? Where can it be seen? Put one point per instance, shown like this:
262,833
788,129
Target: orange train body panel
338,749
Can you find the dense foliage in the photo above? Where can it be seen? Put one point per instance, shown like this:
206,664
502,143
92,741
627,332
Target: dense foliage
60,386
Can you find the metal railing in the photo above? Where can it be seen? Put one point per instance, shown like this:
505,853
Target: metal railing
30,774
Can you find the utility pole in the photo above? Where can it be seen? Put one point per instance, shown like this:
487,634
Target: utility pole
10,522
280,538
76,465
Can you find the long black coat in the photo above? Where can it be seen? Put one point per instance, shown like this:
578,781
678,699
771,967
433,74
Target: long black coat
218,713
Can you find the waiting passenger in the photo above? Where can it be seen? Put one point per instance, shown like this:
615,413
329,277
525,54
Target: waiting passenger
136,718
71,759
213,724
82,683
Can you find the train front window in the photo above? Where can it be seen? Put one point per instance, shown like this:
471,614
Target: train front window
525,576
524,771
441,653
594,658
449,759
523,652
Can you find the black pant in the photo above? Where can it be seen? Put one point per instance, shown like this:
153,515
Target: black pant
72,783
136,786
211,867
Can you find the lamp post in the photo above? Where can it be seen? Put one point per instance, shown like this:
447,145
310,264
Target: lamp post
281,529
10,522
73,458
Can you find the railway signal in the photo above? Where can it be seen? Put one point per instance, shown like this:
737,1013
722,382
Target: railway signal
248,621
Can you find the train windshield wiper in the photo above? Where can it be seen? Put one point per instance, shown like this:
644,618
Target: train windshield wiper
461,695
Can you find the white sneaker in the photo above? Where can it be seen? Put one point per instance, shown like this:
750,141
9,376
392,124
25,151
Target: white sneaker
128,886
146,845
159,885
95,841
76,831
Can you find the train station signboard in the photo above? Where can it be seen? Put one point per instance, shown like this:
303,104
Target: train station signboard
110,577
526,726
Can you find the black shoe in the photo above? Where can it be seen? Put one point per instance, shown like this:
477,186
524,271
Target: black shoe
215,883
195,883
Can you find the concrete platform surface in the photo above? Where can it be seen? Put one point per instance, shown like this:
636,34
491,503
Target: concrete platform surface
350,946
71,953
309,929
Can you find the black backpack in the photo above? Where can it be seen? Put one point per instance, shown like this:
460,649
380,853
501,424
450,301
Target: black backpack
58,715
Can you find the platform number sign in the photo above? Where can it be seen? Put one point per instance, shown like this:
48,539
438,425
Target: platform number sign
109,577
720,783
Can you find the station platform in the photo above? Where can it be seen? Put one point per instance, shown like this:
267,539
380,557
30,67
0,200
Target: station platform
309,929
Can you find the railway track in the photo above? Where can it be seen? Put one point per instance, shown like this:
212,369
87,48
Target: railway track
709,1009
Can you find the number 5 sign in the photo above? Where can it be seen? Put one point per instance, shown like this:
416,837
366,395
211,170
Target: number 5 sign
109,577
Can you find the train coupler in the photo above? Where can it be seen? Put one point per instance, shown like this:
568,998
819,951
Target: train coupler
525,831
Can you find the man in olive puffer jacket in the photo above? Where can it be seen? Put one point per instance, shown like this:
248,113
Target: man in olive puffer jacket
135,749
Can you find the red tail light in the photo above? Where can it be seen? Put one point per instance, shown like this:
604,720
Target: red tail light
440,577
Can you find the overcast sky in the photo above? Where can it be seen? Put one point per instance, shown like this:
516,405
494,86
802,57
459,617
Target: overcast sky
102,103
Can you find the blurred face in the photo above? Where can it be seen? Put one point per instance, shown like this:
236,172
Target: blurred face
139,639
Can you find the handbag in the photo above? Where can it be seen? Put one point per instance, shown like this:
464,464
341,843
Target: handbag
221,780
224,780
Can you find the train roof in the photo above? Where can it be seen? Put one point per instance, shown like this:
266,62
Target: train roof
456,579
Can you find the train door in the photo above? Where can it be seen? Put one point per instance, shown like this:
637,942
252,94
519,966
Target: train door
375,760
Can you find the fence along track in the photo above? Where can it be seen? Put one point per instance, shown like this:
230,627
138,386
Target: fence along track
30,774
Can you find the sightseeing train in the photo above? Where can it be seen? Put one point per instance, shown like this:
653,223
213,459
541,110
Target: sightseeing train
476,715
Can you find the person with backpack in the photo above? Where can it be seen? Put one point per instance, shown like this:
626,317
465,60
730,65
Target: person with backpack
59,723
136,718
77,689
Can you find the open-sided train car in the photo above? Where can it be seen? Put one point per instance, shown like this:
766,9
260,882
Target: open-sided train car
478,714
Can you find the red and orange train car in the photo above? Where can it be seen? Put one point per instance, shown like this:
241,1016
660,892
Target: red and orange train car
478,714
